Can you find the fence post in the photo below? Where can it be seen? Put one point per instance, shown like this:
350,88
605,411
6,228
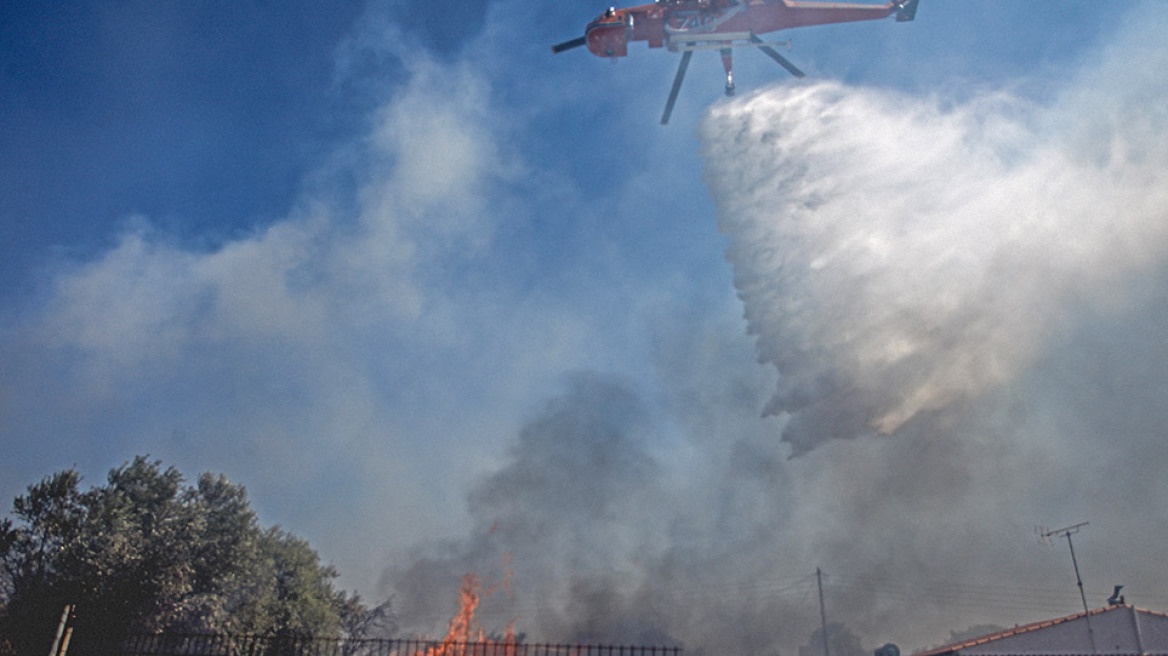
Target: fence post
61,628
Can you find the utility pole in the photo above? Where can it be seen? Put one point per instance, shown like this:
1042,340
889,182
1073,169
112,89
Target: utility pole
1045,536
822,612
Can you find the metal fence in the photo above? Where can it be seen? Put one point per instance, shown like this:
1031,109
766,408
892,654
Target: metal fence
227,645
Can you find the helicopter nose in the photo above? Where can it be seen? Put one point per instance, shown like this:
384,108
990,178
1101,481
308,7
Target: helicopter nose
607,39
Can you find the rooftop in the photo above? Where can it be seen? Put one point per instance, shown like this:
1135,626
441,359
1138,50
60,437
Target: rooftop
1119,630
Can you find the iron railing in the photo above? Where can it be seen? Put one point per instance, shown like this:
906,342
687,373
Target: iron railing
232,645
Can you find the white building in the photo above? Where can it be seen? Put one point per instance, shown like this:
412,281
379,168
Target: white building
1119,630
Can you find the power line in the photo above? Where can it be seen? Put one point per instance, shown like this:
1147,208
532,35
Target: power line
797,590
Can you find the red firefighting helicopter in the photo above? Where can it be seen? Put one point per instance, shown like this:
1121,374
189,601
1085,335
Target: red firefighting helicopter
687,26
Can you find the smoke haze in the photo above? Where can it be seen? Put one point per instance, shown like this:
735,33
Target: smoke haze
962,303
496,334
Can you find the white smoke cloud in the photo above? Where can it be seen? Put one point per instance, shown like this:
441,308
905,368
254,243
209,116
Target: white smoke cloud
320,356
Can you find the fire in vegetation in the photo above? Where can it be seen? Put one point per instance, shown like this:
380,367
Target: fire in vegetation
464,630
465,636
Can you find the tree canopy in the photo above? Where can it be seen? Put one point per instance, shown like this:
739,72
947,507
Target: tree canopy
147,553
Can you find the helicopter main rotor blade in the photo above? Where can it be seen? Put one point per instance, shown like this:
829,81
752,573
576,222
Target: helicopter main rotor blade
773,54
568,45
676,85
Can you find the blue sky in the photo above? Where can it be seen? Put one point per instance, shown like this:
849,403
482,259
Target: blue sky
434,295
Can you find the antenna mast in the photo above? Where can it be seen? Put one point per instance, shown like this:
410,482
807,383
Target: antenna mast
1044,536
822,612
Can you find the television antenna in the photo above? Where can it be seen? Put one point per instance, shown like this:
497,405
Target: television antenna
822,611
1045,536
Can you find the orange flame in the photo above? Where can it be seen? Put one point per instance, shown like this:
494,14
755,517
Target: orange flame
464,630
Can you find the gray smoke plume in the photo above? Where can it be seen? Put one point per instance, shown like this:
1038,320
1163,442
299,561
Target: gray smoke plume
570,504
972,287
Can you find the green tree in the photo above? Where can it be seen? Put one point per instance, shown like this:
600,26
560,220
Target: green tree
144,553
49,520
